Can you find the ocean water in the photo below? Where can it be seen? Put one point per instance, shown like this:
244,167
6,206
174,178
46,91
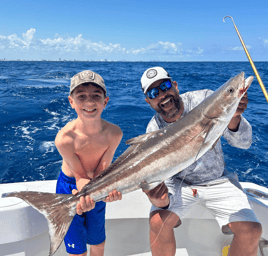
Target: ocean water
34,107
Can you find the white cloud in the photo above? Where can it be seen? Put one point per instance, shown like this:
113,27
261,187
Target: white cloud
168,48
239,48
79,47
265,41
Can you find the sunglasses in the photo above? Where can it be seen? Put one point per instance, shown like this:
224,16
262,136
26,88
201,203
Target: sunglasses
154,92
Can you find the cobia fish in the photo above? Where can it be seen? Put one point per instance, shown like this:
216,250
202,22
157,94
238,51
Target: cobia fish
150,159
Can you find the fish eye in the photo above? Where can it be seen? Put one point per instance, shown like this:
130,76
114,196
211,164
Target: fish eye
230,90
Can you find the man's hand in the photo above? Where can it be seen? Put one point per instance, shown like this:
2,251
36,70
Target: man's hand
235,121
158,196
86,203
113,196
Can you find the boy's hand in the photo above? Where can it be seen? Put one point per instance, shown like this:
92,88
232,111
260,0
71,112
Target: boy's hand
81,183
86,203
113,196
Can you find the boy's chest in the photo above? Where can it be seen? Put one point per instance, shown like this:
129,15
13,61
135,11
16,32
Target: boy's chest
91,149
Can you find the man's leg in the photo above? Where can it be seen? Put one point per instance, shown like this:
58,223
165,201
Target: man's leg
246,238
162,239
97,250
83,254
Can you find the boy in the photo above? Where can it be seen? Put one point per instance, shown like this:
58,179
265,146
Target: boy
87,146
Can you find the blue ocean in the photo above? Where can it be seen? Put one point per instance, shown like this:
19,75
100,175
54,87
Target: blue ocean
34,107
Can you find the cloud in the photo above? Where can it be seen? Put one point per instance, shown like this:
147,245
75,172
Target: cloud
239,48
265,42
168,48
79,47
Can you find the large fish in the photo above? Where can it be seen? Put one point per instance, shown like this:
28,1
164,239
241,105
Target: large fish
150,159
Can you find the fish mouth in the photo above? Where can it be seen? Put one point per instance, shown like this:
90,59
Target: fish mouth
246,84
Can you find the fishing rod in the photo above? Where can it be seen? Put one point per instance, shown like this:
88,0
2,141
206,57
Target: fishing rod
251,61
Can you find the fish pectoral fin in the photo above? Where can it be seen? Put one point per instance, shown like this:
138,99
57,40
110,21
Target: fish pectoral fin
207,135
215,143
148,186
58,209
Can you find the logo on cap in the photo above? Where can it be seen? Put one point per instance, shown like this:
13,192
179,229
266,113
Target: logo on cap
87,75
151,73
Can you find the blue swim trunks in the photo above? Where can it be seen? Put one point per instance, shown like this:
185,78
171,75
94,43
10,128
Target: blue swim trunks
88,228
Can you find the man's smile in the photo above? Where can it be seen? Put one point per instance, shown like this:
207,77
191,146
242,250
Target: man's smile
166,103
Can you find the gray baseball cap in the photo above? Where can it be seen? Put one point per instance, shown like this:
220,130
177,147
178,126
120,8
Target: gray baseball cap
87,76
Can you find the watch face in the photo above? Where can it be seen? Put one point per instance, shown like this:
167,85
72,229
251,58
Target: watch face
151,73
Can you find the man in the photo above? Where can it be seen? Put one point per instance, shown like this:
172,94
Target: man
202,180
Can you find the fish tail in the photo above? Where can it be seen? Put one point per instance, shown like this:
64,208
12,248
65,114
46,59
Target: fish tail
59,210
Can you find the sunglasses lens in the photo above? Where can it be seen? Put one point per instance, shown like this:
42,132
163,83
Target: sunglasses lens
165,86
153,93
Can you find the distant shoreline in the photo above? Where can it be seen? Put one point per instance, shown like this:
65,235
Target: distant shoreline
4,60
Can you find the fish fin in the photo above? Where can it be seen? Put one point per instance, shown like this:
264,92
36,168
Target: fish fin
141,138
215,143
148,186
207,136
58,209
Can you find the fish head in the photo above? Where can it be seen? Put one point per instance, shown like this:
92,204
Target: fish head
224,101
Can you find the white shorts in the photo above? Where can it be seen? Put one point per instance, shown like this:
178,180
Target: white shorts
223,197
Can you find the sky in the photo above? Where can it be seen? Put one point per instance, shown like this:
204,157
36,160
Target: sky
129,30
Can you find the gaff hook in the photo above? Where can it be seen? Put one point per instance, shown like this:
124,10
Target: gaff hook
250,60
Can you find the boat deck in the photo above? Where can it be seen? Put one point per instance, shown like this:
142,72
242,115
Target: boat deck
24,231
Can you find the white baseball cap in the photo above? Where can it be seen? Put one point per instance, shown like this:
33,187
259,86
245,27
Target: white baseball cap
151,75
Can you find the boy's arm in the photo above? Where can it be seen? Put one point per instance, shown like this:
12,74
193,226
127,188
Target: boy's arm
65,146
115,137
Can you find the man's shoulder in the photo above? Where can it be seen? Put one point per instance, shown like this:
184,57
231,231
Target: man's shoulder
153,124
193,98
199,94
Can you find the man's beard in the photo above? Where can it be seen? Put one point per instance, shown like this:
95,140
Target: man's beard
174,111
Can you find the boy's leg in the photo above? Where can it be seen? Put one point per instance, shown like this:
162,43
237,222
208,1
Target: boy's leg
75,240
97,250
95,226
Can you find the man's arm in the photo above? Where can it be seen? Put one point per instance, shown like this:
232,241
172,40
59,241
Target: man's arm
158,196
239,132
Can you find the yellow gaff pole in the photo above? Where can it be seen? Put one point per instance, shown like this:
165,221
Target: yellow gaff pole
251,61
